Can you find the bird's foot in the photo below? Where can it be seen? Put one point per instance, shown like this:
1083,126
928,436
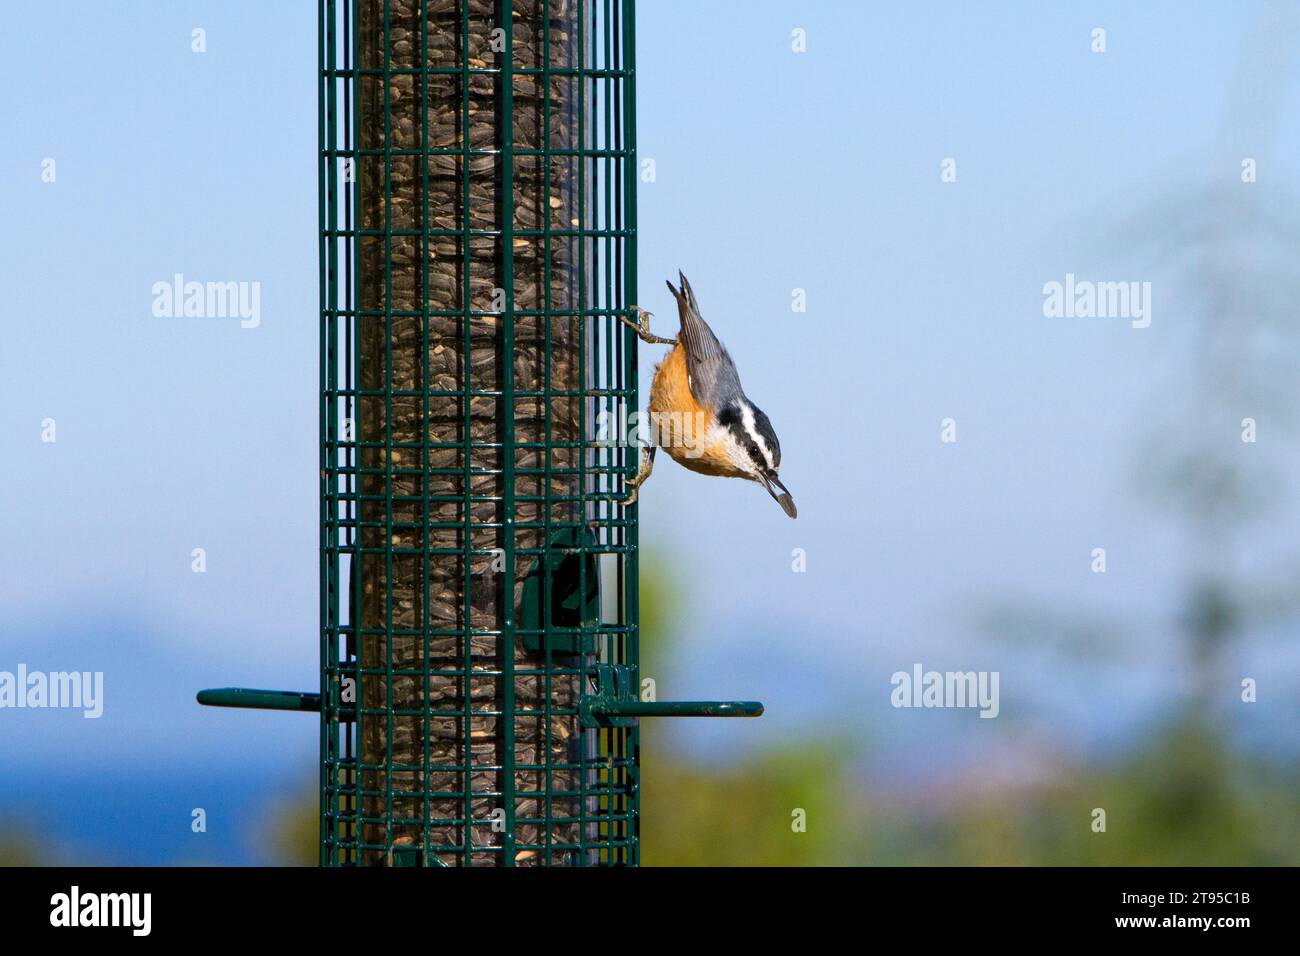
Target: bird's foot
642,327
635,485
647,465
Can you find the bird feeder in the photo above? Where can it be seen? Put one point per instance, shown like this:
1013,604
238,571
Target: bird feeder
479,696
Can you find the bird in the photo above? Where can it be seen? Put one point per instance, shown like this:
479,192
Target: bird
699,413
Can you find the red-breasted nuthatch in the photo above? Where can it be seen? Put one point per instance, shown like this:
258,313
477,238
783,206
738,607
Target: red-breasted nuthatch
699,413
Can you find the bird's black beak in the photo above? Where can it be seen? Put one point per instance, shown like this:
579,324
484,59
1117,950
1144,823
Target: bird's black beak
783,497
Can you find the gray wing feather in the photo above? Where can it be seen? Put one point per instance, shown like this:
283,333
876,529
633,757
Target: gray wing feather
713,375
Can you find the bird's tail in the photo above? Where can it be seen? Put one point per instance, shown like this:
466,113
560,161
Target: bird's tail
701,344
685,296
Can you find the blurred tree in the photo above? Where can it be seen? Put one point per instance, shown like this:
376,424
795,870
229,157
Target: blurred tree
19,848
743,814
289,834
1227,253
739,814
1182,800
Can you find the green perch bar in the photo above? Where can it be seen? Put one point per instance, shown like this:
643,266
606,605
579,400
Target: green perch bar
260,699
593,708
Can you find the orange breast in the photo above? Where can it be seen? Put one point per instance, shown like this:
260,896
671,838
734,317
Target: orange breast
679,424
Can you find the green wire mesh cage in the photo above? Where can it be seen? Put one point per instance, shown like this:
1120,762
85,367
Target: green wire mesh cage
479,604
476,194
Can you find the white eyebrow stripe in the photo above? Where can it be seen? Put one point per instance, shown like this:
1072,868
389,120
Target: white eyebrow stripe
747,419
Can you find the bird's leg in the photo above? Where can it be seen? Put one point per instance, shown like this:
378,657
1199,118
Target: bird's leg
647,465
642,327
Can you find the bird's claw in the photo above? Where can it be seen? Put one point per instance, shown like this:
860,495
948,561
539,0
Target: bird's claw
642,324
635,485
642,327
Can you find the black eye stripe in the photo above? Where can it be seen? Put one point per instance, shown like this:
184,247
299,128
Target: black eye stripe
729,416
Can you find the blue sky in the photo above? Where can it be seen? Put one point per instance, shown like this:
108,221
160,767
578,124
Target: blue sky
774,171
